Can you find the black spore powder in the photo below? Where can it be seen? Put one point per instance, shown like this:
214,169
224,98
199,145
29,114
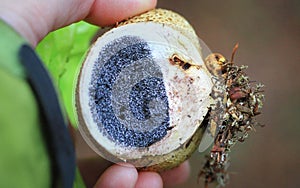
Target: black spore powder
113,58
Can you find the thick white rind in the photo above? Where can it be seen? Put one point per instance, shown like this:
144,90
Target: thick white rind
187,91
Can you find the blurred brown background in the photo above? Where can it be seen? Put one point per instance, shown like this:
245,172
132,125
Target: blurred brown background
268,32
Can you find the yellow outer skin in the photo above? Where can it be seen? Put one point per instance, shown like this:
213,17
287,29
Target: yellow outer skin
169,18
176,21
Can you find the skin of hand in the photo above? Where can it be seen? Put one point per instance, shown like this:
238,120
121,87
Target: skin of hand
127,176
34,19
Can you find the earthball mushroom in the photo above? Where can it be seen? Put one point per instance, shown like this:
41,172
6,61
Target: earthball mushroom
143,93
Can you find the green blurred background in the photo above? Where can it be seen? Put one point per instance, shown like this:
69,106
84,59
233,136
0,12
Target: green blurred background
268,32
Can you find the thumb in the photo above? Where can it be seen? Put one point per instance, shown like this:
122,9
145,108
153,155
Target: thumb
34,19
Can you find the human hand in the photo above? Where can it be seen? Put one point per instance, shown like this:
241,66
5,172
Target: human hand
126,176
34,19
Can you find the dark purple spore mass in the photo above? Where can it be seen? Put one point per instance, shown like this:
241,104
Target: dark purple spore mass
112,60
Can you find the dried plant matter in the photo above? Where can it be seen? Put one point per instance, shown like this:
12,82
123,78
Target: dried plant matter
243,101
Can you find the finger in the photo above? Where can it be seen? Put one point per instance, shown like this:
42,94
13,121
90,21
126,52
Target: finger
34,19
118,176
105,12
177,175
149,180
91,169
